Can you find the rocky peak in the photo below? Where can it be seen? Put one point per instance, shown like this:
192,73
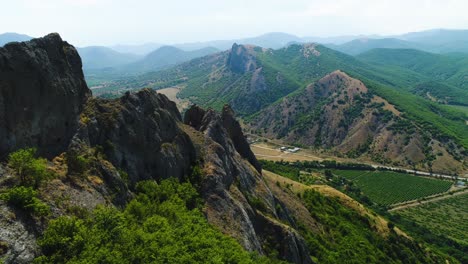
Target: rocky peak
234,131
42,92
338,80
242,59
310,49
200,119
194,116
140,134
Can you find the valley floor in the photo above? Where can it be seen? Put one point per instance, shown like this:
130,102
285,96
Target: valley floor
271,151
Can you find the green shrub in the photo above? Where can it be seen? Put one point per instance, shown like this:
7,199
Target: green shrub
77,163
257,203
30,170
63,239
25,198
124,175
196,176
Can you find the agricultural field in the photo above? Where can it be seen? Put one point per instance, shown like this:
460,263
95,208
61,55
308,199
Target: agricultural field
386,188
448,217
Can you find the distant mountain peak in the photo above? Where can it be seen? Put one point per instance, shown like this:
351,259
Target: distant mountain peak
309,49
13,37
242,58
169,48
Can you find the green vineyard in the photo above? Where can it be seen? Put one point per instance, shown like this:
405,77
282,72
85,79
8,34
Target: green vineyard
439,217
386,188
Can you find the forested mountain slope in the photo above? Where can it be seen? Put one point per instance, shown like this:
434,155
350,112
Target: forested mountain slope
253,79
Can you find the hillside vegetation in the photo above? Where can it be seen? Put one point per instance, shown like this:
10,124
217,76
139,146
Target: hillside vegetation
448,213
164,222
450,68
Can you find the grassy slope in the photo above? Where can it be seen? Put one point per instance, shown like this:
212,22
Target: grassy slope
438,241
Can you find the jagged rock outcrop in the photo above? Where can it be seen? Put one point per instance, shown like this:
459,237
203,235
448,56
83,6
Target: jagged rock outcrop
234,131
138,133
237,198
241,59
42,92
194,116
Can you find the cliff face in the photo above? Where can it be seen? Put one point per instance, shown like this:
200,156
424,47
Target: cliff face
42,92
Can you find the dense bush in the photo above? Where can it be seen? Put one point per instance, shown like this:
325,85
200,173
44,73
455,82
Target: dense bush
163,224
30,170
25,198
77,163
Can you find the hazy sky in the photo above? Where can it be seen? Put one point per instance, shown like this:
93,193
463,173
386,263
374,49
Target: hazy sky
107,22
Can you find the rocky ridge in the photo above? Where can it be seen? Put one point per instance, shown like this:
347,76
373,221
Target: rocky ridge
238,199
140,134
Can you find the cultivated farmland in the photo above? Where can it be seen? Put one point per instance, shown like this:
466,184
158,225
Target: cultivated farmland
448,217
386,188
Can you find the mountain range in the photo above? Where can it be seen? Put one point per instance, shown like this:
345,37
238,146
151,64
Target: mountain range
436,41
160,58
409,94
278,92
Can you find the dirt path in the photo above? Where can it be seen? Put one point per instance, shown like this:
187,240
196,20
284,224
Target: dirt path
430,200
